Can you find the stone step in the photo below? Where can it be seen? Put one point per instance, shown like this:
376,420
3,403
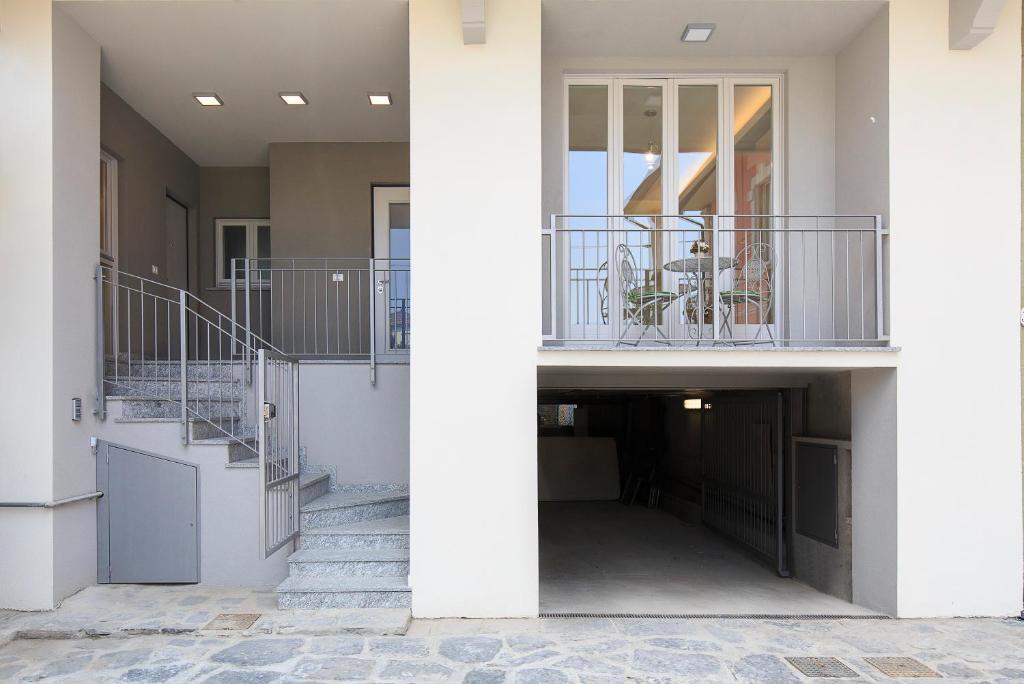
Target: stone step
312,486
148,407
202,430
138,369
349,563
344,592
385,533
240,451
347,506
199,388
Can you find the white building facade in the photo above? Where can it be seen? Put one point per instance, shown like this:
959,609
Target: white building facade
557,157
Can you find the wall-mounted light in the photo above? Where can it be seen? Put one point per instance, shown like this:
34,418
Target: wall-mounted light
295,98
208,99
379,99
697,33
691,404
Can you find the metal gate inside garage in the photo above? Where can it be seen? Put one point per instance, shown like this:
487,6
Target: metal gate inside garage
742,471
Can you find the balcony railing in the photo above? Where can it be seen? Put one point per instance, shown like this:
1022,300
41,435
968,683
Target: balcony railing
354,309
767,280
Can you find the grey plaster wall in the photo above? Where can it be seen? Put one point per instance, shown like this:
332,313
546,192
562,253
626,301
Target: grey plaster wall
357,431
150,166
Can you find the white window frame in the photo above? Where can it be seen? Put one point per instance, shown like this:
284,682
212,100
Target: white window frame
251,228
109,230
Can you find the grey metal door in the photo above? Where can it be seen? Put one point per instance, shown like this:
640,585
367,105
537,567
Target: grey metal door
148,518
742,471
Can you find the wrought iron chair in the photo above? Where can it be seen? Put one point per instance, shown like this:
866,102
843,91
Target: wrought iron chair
641,305
750,290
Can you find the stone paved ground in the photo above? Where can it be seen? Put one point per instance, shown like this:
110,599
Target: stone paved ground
533,651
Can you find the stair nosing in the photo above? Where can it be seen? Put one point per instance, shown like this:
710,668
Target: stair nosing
357,555
337,585
319,504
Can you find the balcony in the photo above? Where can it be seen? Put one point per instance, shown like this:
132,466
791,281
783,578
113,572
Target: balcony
764,281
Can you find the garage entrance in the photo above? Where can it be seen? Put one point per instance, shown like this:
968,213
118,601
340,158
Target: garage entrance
682,502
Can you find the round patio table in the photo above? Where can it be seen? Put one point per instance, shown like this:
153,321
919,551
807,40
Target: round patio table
698,264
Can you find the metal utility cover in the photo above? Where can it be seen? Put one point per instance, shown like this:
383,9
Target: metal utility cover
901,666
817,492
822,667
233,621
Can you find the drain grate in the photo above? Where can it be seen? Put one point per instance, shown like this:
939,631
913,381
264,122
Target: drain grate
233,621
711,616
901,666
822,667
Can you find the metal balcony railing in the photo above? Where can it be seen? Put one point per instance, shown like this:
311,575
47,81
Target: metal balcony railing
773,280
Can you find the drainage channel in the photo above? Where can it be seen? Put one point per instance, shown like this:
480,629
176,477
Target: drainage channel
711,616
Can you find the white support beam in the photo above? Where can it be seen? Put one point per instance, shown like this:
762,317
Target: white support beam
474,27
972,21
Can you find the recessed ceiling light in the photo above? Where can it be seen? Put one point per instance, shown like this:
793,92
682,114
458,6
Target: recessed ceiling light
295,98
697,33
380,99
208,99
691,404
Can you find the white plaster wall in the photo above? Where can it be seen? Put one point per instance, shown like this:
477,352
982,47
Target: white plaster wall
873,431
955,161
76,143
230,550
475,154
358,430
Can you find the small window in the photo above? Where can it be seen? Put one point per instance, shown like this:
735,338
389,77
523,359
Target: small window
240,239
108,208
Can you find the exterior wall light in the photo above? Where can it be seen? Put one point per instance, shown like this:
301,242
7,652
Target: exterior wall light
379,99
208,99
697,33
691,404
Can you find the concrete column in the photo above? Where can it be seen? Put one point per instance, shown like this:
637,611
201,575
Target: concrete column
955,172
49,208
475,143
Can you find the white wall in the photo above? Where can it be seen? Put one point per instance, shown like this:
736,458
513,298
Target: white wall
357,431
49,147
475,162
955,160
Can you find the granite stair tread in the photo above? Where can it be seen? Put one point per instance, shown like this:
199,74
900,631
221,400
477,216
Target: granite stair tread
345,499
349,555
396,525
343,584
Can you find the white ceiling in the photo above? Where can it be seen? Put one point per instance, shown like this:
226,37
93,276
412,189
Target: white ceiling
651,28
156,54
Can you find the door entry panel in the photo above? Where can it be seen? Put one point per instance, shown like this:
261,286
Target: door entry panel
148,518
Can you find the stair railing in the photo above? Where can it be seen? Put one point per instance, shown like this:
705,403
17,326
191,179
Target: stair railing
179,357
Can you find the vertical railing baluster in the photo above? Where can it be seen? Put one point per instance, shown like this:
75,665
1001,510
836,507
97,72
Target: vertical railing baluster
183,363
101,322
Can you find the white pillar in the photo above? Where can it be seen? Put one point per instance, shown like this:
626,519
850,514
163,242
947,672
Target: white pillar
475,143
49,208
955,177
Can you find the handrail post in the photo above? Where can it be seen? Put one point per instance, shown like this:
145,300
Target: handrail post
246,354
716,286
183,361
101,395
879,282
234,304
373,323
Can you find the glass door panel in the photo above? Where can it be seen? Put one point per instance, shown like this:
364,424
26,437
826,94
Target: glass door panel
641,251
749,299
587,296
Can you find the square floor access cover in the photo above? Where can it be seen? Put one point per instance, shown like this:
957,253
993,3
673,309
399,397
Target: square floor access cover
901,666
233,621
821,667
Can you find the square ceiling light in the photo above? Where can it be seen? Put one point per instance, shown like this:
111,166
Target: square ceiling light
379,99
208,99
295,98
697,33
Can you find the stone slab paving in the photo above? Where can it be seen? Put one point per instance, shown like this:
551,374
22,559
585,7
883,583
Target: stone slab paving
123,610
542,651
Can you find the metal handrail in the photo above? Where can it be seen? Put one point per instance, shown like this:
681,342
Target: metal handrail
154,329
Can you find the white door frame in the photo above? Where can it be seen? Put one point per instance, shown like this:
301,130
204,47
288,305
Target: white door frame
380,274
726,84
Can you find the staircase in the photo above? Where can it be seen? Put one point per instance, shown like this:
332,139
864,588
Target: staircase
353,551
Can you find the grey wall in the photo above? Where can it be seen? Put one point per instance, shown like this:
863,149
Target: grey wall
149,167
828,406
357,431
321,198
226,192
